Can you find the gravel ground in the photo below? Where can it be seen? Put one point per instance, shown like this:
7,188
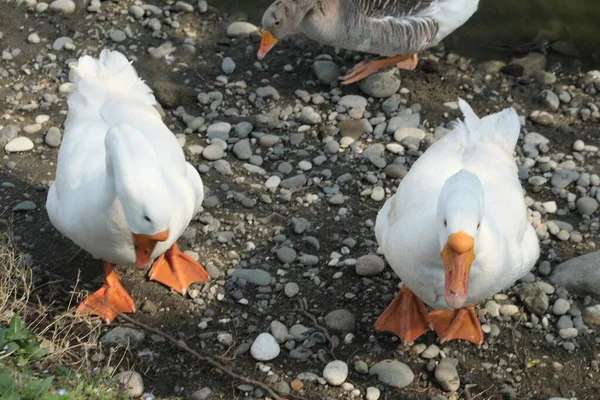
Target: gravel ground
296,169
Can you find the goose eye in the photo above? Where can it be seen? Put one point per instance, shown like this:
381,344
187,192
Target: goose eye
478,225
446,223
147,218
277,22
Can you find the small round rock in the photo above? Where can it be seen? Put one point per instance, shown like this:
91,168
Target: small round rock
369,265
336,372
265,347
372,393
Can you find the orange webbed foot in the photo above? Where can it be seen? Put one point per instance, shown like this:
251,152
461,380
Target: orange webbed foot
364,69
177,270
458,324
406,316
109,300
410,63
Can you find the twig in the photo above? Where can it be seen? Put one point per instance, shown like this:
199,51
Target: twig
302,310
207,359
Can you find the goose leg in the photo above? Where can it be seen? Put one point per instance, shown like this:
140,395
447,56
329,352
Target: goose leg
457,324
110,299
406,316
364,69
178,270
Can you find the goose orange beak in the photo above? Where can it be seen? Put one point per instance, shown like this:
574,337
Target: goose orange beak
457,255
144,246
266,44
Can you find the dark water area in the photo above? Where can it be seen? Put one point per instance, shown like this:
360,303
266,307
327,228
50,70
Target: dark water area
573,26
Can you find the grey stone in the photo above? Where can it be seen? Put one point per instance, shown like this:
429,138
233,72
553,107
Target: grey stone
340,320
8,133
213,152
380,84
393,373
326,71
286,255
242,149
550,100
25,205
535,299
581,274
256,276
308,115
447,376
369,265
587,205
124,336
563,178
405,121
53,137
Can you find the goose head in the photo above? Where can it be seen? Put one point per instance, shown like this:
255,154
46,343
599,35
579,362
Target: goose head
281,19
459,217
140,187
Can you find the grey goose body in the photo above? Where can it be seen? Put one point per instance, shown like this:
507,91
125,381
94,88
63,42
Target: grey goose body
398,29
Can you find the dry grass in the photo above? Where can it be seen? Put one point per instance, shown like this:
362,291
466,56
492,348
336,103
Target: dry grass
70,337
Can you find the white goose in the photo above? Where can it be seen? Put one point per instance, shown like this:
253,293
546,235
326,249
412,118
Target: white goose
456,231
123,190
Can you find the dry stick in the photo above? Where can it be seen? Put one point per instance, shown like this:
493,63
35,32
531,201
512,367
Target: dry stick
183,346
303,311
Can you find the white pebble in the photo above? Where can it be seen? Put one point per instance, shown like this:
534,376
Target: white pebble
336,372
265,347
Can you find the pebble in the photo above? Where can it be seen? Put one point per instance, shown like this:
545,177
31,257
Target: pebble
378,194
369,265
286,255
117,35
264,347
591,315
53,137
18,144
255,276
508,310
63,6
228,65
403,133
447,376
326,71
124,336
33,38
202,394
372,393
380,84
587,205
240,28
291,289
535,299
335,372
131,382
279,331
213,152
308,115
432,351
393,373
26,205
340,320
561,307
